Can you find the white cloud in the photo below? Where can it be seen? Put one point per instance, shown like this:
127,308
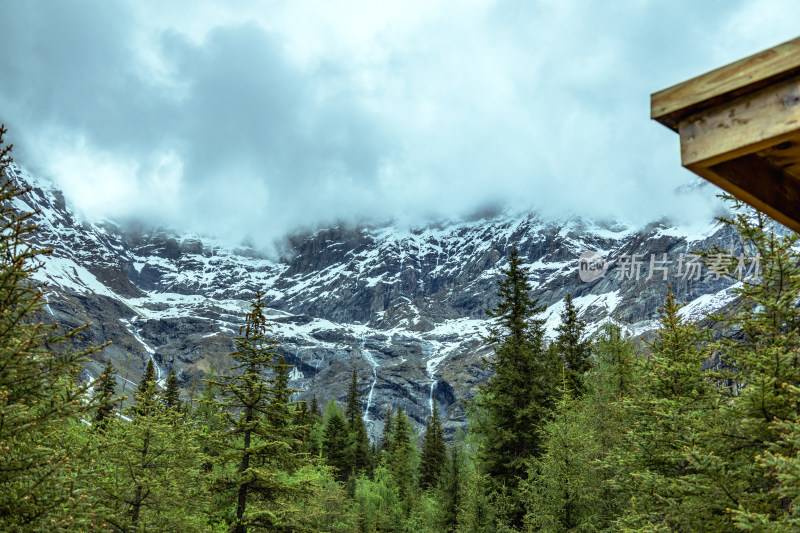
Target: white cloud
223,119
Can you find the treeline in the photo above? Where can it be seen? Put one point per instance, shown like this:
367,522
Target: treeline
690,433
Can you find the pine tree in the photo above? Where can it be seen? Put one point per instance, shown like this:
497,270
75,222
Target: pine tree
145,394
208,422
575,353
434,451
105,391
564,487
752,469
402,458
39,391
670,413
613,375
359,445
450,489
171,395
149,376
604,412
335,447
262,444
353,409
280,411
476,511
315,406
147,478
387,441
510,409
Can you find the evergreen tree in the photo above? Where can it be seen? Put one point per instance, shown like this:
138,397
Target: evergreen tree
335,447
750,459
280,412
315,406
104,394
147,479
402,458
149,376
208,422
450,488
670,413
564,487
511,408
262,444
359,445
476,512
353,409
434,451
613,375
39,391
387,441
313,435
145,394
377,502
171,395
575,353
604,412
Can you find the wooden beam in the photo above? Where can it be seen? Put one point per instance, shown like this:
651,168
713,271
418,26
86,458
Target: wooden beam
672,105
741,126
776,194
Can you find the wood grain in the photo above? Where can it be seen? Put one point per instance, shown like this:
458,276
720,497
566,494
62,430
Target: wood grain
670,106
743,125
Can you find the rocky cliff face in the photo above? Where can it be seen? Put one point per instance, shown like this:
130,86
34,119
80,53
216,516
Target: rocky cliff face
402,306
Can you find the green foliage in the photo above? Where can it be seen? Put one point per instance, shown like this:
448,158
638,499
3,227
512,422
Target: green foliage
564,488
148,477
574,350
104,395
325,506
434,452
614,370
359,448
39,392
402,460
476,512
716,450
314,408
387,442
353,409
670,409
171,395
335,445
756,459
377,502
258,437
510,410
449,491
146,392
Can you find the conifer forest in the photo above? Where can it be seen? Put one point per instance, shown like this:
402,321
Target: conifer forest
694,429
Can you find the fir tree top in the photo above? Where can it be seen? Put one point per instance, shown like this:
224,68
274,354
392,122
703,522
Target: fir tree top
353,410
513,314
172,392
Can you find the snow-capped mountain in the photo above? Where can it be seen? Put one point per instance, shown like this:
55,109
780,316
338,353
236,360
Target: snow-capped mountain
402,306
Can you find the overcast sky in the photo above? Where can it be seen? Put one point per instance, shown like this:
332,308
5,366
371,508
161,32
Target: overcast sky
253,119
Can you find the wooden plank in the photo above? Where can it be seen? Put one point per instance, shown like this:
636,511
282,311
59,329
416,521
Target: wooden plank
753,181
784,156
741,126
671,105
